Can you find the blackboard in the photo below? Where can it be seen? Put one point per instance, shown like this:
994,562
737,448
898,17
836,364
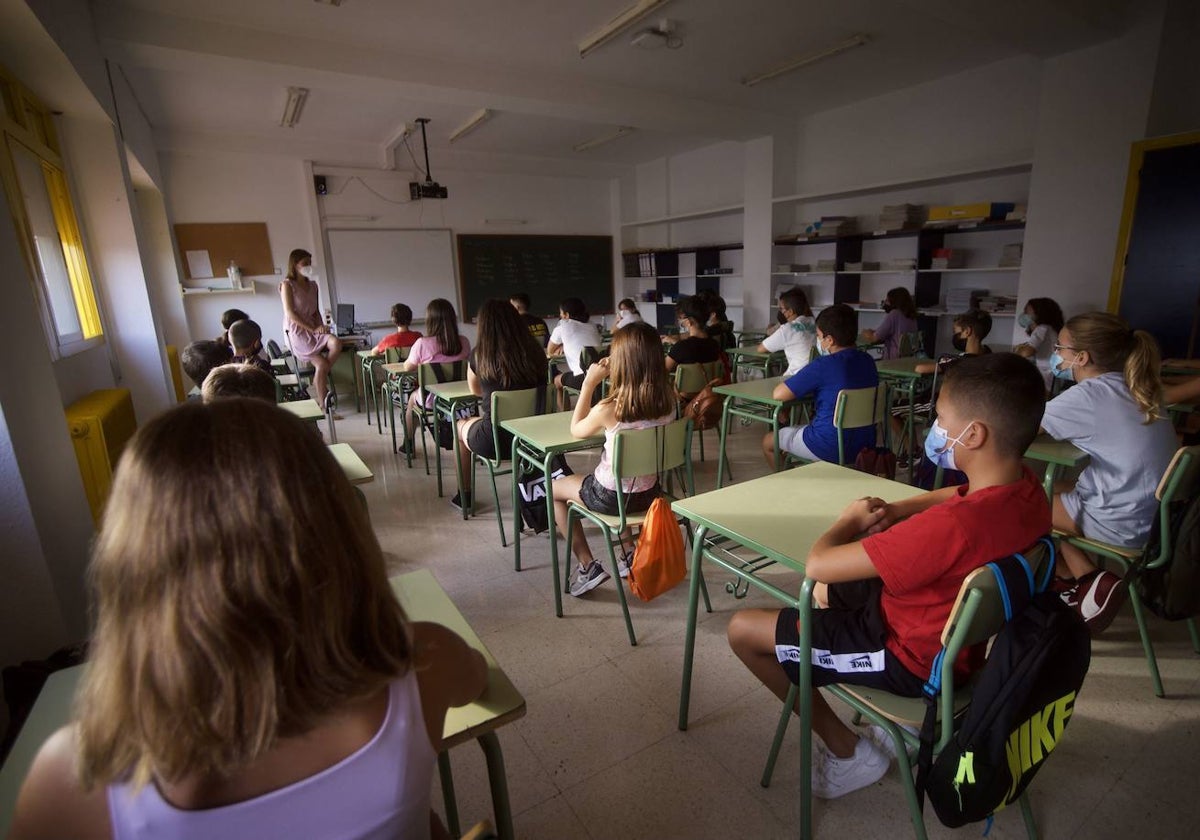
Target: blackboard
547,268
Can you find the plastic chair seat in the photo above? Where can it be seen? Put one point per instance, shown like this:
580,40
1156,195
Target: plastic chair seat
907,710
1117,551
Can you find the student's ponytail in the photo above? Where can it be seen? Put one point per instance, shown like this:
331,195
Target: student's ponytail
1142,374
1113,346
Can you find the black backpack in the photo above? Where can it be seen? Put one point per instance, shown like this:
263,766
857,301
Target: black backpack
1172,591
1022,701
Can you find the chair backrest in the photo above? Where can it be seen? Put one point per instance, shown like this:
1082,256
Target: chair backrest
393,355
1180,483
273,349
911,344
451,372
652,451
855,408
692,377
513,405
588,356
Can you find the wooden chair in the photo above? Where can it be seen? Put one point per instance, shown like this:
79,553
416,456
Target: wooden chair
508,405
664,451
1179,487
978,614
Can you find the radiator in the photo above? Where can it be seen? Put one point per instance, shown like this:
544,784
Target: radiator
101,424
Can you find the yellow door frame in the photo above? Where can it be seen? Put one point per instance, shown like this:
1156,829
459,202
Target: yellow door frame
1137,156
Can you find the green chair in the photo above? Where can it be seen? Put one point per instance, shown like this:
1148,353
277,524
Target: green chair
855,408
690,380
977,616
508,405
374,385
1180,485
911,344
661,450
450,372
588,356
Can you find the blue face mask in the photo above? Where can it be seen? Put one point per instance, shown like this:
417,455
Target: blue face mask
1025,321
939,446
821,348
1056,363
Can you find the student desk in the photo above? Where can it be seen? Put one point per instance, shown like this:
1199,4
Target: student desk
779,517
1056,454
448,397
353,466
754,401
536,440
900,376
307,410
749,358
424,600
500,704
552,363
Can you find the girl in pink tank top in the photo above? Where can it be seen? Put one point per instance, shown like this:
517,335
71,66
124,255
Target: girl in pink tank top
640,396
252,675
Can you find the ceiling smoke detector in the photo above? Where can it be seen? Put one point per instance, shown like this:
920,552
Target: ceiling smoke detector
654,37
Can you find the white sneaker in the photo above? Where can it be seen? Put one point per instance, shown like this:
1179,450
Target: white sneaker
839,776
624,562
880,737
588,579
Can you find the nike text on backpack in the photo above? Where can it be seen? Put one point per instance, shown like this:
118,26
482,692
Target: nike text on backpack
1022,700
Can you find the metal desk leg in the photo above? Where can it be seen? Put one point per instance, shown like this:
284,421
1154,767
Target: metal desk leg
437,446
689,642
458,474
724,437
516,506
358,384
448,798
775,433
498,781
805,690
559,585
1048,481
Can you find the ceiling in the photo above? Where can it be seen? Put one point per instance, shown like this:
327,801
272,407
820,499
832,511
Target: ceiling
216,73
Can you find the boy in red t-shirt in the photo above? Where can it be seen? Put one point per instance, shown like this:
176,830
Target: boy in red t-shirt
403,337
888,595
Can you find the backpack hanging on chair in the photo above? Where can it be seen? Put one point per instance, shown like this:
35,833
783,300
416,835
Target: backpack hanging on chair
658,561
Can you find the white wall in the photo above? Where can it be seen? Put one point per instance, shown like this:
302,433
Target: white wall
1175,105
1094,104
209,187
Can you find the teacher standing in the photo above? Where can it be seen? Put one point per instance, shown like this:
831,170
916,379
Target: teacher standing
309,336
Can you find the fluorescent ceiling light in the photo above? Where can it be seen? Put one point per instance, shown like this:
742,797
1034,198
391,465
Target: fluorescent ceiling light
297,96
619,24
606,138
478,119
805,60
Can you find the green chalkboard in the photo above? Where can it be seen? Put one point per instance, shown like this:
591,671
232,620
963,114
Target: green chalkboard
547,268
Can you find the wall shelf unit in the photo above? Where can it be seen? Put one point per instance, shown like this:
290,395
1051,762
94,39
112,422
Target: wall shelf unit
1011,168
727,210
928,285
673,273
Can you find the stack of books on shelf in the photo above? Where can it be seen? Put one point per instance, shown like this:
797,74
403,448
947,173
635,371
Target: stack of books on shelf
826,265
960,300
646,265
832,226
864,265
900,217
793,268
948,258
1017,214
899,264
1011,257
998,304
711,272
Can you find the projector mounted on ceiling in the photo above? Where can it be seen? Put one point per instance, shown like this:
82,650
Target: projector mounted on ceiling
428,188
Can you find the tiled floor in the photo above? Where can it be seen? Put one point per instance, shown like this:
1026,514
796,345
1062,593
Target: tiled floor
599,755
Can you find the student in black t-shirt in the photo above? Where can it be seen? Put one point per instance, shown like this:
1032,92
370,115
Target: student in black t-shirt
695,346
537,327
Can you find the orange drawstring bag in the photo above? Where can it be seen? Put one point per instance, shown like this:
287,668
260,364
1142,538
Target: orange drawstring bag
658,561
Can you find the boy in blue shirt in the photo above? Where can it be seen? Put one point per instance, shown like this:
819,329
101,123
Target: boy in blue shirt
841,365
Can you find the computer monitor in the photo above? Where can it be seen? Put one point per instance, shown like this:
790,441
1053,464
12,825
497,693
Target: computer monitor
345,318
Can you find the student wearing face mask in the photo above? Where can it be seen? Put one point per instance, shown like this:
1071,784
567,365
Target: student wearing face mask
627,313
694,345
839,365
1042,320
797,334
889,574
900,317
1113,414
970,329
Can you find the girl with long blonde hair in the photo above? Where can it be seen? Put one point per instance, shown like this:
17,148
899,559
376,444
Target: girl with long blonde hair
1112,413
640,396
251,672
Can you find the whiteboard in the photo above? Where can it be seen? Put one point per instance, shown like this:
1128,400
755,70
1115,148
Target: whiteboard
377,267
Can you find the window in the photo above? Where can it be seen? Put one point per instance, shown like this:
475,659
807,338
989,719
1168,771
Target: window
33,178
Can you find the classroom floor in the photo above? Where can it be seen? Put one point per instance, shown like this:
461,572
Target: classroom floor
598,754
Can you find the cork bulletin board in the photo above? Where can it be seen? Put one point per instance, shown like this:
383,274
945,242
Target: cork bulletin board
245,243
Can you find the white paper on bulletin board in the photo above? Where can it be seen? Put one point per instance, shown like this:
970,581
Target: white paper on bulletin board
378,267
199,265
